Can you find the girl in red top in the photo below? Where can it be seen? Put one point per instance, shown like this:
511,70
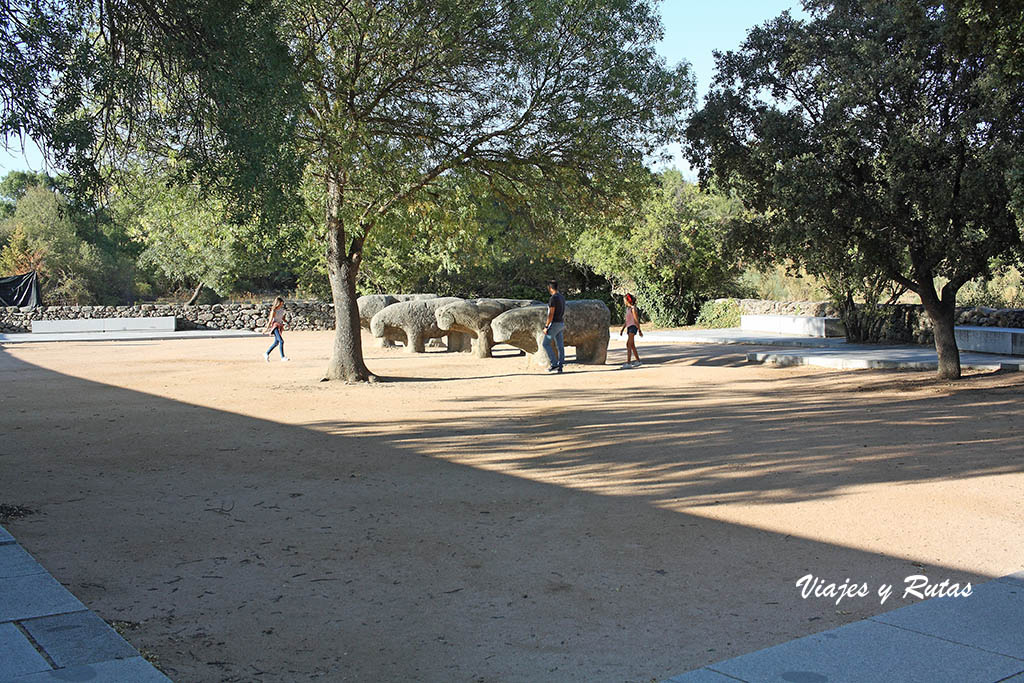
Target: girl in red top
632,326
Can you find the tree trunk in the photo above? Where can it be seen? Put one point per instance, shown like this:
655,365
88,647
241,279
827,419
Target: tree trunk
195,295
942,313
342,269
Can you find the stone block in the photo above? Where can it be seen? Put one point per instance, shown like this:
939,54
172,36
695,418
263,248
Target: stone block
798,325
1001,340
153,324
1017,345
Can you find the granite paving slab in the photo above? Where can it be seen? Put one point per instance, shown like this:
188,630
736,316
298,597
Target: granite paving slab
703,676
1017,578
17,655
47,634
78,638
991,618
34,595
133,670
870,652
973,639
14,561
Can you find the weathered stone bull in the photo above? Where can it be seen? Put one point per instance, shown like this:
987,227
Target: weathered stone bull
413,323
473,318
586,327
372,304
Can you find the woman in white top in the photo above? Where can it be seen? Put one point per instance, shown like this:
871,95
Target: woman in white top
275,325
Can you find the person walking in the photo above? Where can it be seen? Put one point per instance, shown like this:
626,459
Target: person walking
631,326
275,325
554,329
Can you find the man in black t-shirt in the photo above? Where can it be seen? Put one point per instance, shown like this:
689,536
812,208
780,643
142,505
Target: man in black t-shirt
554,329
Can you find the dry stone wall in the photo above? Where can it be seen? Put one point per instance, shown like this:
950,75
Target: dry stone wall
303,315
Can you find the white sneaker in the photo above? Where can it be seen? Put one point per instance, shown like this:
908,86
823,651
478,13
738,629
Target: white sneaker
636,364
625,366
285,359
266,357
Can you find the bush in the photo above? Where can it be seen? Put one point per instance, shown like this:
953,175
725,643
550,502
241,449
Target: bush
719,313
1005,290
778,283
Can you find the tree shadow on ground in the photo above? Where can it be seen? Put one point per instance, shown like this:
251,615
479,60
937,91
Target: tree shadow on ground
247,549
704,445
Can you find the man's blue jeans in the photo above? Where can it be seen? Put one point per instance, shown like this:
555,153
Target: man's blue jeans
554,344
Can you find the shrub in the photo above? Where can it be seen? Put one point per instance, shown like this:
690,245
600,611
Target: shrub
1005,290
719,313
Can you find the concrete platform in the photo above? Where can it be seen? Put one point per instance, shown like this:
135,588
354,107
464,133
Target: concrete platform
797,325
832,352
975,639
735,335
153,324
47,634
127,335
857,357
1002,340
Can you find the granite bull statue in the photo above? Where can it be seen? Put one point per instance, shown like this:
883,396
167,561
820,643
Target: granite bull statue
413,323
372,304
473,318
587,324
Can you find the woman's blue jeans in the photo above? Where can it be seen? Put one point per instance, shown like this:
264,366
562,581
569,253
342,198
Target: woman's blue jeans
278,341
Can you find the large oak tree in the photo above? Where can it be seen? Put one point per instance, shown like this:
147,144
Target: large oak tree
378,99
873,137
551,94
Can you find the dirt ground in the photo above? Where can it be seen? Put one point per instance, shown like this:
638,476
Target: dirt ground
472,520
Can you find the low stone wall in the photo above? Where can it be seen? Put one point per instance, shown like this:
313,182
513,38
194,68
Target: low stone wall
303,315
909,323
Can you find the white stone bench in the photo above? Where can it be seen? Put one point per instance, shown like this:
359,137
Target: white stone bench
155,324
1008,341
798,325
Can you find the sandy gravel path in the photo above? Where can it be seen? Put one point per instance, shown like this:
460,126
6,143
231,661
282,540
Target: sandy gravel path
473,520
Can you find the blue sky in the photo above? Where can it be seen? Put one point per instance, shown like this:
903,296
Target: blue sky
693,29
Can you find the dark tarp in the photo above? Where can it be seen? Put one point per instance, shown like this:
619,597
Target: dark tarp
20,290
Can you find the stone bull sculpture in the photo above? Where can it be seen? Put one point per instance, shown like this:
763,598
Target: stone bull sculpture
372,304
473,318
586,327
413,323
